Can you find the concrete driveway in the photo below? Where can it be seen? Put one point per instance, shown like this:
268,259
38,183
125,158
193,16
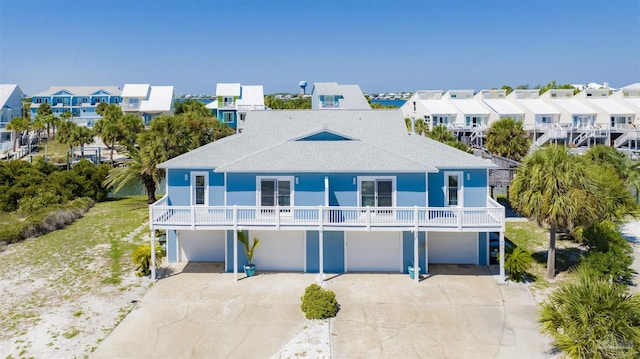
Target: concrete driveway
456,312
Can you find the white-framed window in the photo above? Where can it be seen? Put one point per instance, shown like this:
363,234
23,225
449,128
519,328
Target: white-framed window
199,188
376,191
227,117
453,189
329,101
275,192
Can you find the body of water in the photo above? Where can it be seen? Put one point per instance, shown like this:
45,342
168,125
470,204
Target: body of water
136,188
397,103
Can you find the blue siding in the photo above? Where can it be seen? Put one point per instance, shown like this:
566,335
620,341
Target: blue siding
342,190
242,257
483,254
410,189
241,189
310,190
475,188
234,123
179,181
333,245
407,251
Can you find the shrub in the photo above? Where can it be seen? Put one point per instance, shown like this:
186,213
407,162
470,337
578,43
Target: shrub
517,263
319,303
592,318
613,264
141,257
12,233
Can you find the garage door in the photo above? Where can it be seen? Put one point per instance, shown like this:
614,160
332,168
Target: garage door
202,246
454,248
373,252
279,250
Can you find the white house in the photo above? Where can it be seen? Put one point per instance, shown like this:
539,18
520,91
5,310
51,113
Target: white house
333,96
540,118
10,107
147,101
430,106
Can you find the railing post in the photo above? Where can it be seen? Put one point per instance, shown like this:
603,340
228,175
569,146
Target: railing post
193,217
278,217
369,218
415,216
320,216
235,215
460,212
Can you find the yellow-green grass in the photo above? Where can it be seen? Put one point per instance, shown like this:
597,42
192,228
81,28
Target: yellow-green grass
535,240
65,264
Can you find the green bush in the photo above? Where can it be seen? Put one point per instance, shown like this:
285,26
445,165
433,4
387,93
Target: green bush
613,264
517,263
12,233
141,257
319,303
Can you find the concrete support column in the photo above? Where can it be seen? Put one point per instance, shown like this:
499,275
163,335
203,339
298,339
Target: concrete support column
426,252
321,244
153,254
235,254
416,256
502,276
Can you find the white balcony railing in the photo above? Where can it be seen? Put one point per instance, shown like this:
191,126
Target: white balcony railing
490,218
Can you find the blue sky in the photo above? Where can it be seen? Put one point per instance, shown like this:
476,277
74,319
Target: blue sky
380,45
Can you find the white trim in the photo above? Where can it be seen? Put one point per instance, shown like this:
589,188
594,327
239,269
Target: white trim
192,186
226,234
344,250
326,190
393,179
460,175
291,180
426,189
487,237
225,188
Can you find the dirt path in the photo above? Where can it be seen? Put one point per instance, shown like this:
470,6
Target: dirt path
631,230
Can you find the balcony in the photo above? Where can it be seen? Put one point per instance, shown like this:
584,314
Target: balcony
444,219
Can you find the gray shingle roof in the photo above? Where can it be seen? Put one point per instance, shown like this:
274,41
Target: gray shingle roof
80,90
381,144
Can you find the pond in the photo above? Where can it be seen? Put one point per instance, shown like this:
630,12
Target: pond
136,188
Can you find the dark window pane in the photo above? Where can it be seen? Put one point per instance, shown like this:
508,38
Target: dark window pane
267,189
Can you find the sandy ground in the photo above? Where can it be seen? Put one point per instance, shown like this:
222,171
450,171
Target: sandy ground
50,322
46,314
631,230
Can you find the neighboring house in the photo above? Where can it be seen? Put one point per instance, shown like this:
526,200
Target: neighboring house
430,106
10,107
147,101
233,102
332,96
81,101
540,118
328,191
617,117
579,118
496,101
629,96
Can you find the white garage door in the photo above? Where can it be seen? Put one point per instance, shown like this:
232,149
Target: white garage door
454,248
373,252
202,246
279,250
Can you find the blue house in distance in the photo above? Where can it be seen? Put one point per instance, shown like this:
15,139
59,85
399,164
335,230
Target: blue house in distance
234,100
81,101
328,192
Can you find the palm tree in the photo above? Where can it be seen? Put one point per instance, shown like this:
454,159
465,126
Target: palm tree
441,133
592,318
507,138
81,136
562,190
44,111
18,125
140,168
108,127
38,125
421,127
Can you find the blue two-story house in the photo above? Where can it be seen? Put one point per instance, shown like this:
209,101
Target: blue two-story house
234,100
328,191
80,101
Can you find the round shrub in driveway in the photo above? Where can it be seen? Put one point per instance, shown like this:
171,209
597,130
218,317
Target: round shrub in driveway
319,303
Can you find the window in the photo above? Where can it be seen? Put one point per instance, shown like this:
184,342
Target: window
199,191
275,192
376,192
227,117
453,189
328,101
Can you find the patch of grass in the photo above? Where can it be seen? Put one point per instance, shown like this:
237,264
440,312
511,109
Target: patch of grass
56,151
70,262
72,333
77,313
